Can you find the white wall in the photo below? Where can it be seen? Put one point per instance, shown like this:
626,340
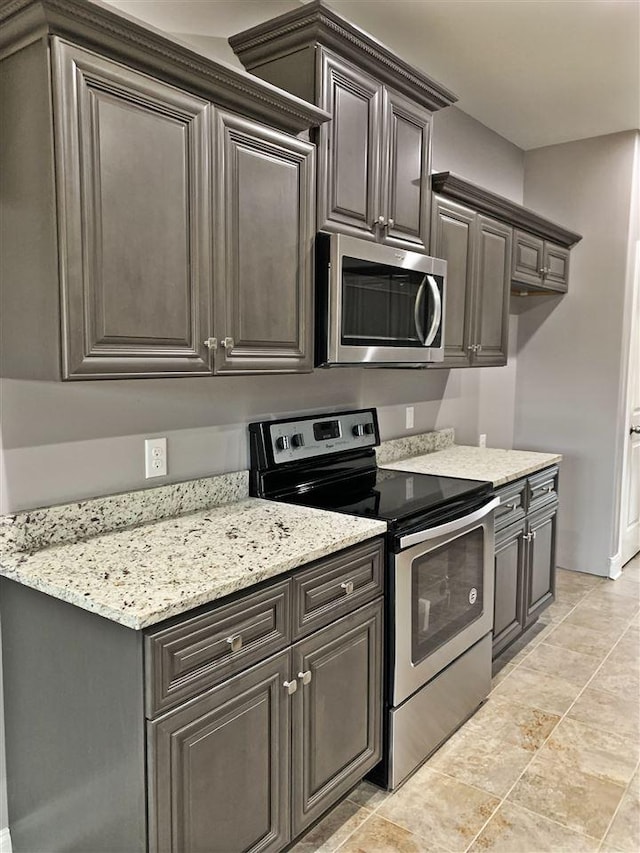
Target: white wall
570,349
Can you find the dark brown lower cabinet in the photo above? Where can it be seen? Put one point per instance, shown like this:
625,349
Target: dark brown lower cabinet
524,560
219,767
336,711
248,765
509,586
541,569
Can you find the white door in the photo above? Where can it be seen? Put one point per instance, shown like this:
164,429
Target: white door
630,516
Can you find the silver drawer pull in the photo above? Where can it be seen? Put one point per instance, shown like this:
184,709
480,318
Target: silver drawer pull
347,586
509,507
235,642
305,677
548,489
290,686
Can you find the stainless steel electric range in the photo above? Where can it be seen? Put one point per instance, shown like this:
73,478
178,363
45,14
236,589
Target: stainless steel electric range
439,578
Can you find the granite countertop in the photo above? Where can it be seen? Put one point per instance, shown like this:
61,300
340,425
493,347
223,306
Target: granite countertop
478,463
142,575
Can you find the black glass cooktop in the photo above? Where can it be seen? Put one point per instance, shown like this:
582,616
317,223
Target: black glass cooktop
392,496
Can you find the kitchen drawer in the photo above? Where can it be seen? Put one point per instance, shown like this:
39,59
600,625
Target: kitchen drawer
542,488
512,504
185,659
336,586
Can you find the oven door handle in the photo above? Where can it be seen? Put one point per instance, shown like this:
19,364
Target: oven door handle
449,527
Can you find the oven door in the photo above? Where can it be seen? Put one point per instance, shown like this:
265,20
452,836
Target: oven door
386,305
443,596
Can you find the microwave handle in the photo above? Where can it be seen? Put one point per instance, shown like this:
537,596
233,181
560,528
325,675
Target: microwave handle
416,311
437,310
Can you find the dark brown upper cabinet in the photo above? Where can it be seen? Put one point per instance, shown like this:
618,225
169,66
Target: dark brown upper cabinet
179,210
478,254
539,264
265,227
540,255
374,154
132,161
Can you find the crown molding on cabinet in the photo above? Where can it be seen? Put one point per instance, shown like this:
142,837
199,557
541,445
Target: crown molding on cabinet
123,38
316,24
502,208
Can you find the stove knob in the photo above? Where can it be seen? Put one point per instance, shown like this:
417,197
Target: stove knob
358,430
297,440
368,428
282,442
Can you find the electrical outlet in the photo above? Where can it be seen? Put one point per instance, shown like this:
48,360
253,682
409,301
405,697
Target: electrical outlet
155,457
482,440
408,422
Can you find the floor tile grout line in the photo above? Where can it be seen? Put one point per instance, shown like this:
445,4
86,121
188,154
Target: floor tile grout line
618,807
562,717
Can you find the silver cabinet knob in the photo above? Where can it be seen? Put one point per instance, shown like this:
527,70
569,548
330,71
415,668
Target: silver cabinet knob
305,677
227,343
211,343
635,430
380,221
390,222
290,686
478,347
347,586
235,642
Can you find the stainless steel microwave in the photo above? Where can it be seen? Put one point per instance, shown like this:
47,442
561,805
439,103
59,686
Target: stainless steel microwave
377,305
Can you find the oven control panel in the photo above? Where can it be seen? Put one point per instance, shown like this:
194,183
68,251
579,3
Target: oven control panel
321,435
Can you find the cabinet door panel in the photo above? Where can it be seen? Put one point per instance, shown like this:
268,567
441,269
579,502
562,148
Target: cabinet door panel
452,239
133,157
407,164
336,716
219,767
556,264
265,227
541,563
527,258
349,150
492,291
509,587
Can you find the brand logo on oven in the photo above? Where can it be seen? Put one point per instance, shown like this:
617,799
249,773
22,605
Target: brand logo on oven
473,595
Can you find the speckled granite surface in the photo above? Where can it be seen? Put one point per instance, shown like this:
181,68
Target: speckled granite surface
40,528
140,576
478,463
414,445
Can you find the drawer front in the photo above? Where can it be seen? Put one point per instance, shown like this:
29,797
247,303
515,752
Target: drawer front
512,504
542,488
336,586
199,653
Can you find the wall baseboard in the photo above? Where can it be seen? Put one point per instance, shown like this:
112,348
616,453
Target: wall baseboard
5,840
615,566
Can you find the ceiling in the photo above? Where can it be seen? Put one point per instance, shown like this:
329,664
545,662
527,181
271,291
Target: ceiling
538,72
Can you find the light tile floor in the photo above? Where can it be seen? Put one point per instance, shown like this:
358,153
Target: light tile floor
549,763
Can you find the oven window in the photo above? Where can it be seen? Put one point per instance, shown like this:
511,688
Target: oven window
384,305
446,592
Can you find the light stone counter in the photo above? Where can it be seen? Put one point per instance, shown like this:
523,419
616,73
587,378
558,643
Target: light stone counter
478,463
142,575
